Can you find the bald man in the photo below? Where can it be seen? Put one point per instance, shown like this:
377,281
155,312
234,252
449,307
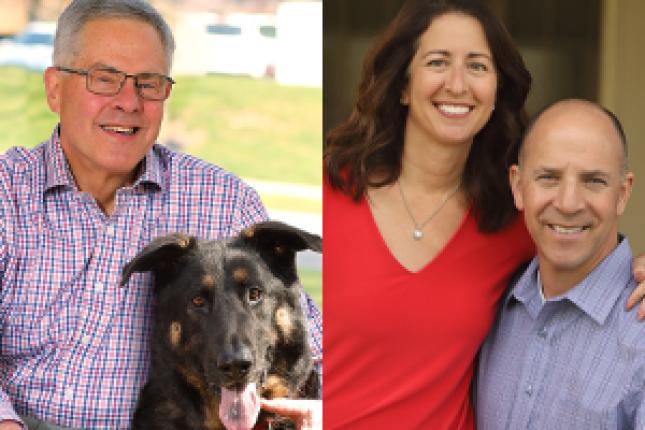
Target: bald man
563,353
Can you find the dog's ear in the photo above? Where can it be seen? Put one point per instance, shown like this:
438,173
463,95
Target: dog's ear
159,256
277,244
276,233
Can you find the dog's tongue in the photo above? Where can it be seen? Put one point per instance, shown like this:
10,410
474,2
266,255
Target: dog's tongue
238,410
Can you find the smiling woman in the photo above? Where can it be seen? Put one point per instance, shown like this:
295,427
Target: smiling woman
452,83
415,190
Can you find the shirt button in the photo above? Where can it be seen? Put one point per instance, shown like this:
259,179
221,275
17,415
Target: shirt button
68,393
110,229
529,390
543,332
86,339
100,286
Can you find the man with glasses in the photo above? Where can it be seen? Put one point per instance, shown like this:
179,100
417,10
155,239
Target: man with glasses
108,81
73,344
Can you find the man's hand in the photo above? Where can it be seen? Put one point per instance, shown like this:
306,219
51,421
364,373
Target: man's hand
10,425
307,414
639,292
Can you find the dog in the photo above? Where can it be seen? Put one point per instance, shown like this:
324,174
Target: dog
228,328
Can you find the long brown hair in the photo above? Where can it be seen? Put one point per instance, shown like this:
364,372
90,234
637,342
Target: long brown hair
366,149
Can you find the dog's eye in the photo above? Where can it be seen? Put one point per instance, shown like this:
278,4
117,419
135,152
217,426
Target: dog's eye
255,294
199,301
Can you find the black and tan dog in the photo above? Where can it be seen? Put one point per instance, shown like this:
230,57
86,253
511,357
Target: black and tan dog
228,328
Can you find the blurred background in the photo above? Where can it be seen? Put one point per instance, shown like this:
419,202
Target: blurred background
575,48
248,95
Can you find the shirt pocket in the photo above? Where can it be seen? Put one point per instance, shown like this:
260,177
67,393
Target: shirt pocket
583,411
39,300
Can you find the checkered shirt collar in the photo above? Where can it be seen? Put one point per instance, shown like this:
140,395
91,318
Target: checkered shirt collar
58,173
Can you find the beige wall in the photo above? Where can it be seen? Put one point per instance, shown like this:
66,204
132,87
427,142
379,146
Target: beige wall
622,89
13,17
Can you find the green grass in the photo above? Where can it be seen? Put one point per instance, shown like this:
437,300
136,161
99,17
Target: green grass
255,128
312,282
281,202
25,119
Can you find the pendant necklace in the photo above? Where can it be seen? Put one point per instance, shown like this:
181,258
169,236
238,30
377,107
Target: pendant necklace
417,234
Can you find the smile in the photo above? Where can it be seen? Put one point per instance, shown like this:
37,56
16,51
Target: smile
451,109
567,230
129,131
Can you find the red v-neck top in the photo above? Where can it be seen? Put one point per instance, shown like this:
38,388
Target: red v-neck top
399,345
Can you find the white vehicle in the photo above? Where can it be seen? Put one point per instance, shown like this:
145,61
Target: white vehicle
241,49
32,48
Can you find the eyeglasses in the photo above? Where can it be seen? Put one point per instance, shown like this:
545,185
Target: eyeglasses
107,81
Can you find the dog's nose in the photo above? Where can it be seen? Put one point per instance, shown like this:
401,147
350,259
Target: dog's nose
235,365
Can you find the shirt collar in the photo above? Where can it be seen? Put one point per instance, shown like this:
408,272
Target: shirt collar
595,295
59,174
153,168
539,287
525,290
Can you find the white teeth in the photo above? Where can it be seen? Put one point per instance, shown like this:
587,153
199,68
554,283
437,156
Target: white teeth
453,109
566,230
122,130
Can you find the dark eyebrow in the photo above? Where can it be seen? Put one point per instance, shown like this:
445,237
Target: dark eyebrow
595,173
445,53
478,55
584,173
441,52
549,170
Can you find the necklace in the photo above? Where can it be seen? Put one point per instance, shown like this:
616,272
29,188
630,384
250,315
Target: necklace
417,234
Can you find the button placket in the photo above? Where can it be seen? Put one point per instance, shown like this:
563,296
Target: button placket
97,300
110,229
99,286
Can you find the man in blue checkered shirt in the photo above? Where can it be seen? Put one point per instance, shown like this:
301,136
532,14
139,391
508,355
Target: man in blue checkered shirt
563,353
73,344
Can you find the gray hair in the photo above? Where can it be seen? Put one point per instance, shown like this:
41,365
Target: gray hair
79,12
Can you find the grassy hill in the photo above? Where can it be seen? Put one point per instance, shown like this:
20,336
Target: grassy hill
255,128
